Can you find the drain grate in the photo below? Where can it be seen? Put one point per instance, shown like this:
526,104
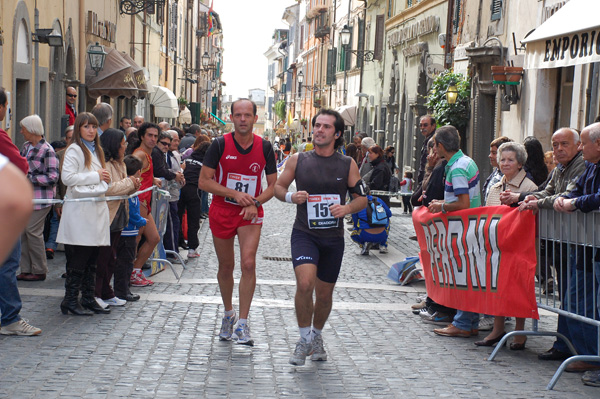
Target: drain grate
278,258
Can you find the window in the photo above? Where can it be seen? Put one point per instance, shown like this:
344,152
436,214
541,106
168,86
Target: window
379,32
496,8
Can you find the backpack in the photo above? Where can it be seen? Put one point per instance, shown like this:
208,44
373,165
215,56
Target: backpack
376,215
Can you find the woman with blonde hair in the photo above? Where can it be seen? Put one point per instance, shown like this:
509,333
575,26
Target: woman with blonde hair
84,225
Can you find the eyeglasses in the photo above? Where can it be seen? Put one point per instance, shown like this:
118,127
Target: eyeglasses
164,143
72,95
424,124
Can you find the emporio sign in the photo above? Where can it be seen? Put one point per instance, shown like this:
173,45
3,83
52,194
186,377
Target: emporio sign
425,26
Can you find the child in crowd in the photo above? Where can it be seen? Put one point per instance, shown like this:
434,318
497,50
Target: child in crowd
406,187
127,247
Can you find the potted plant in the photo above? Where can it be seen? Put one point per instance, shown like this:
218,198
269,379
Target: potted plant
303,122
182,101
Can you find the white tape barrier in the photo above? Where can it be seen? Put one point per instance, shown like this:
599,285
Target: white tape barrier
98,199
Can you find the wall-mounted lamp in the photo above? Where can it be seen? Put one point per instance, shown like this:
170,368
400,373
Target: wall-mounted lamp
364,55
97,55
52,37
451,93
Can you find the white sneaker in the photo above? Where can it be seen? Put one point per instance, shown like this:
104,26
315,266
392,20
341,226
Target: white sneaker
193,254
486,323
20,327
383,250
102,304
115,301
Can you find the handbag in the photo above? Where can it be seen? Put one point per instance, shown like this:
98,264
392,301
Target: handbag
89,190
121,219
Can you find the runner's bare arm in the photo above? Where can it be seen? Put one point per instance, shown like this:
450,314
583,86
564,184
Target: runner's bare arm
206,183
285,179
358,202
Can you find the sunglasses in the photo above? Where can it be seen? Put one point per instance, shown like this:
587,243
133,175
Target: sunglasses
72,95
164,143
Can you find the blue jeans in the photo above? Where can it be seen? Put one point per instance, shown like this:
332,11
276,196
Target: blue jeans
204,202
10,300
466,320
54,222
579,300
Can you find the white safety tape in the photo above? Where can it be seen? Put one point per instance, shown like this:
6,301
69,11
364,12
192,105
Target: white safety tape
390,193
98,199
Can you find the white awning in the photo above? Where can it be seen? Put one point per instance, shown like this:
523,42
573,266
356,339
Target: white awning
570,37
165,103
348,112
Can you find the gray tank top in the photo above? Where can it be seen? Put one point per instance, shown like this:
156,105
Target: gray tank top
326,181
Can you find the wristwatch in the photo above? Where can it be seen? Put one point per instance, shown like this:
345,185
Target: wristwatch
443,210
257,203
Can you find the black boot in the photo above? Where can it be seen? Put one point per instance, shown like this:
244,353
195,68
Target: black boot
88,288
71,301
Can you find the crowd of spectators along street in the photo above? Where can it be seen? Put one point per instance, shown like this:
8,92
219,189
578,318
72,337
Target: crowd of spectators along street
95,160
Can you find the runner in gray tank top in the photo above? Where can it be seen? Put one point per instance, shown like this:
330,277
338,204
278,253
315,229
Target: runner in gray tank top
323,176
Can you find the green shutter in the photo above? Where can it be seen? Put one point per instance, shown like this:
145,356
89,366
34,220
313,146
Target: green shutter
331,58
496,8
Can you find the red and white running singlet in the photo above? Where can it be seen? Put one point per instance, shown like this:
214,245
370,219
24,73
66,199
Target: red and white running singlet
240,172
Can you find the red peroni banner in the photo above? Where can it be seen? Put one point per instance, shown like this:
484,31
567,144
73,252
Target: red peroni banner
480,260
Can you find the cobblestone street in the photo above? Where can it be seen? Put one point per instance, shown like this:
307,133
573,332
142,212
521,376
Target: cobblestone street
166,345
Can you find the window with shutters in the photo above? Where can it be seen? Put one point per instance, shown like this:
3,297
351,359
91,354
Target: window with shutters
456,19
331,66
496,9
160,14
173,28
379,32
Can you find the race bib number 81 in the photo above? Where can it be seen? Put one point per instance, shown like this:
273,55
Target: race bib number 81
242,183
317,209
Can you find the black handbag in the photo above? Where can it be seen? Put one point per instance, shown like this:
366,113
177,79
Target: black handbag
121,219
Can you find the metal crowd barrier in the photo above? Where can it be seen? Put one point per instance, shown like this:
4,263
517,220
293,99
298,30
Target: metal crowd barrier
160,213
572,290
391,193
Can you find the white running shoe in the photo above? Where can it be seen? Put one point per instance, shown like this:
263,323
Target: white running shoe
100,302
318,351
303,349
243,335
227,327
114,301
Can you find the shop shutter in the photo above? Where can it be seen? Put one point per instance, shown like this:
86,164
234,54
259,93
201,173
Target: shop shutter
379,29
496,9
331,58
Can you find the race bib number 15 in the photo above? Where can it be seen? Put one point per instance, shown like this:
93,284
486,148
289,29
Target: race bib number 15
242,183
317,209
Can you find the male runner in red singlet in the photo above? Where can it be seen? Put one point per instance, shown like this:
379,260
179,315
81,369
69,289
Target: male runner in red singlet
148,133
232,171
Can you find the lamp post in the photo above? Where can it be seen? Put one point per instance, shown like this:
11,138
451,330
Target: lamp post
345,38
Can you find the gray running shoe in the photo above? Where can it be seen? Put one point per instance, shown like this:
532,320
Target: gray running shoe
227,327
243,335
318,352
303,349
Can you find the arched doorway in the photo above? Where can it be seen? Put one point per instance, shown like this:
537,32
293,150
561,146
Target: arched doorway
22,70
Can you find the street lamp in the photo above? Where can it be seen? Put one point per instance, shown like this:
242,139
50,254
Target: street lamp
52,37
451,93
97,55
364,55
205,59
345,35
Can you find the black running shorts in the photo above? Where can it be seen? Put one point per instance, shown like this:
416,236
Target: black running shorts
326,253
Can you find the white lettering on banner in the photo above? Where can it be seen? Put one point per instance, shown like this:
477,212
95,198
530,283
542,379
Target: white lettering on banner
458,256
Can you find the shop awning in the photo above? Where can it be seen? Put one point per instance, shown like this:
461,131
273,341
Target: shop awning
164,102
348,112
138,74
570,37
117,78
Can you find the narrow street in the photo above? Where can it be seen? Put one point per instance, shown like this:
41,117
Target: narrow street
166,345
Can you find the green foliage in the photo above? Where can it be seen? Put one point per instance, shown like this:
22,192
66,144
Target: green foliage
280,109
182,101
457,114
